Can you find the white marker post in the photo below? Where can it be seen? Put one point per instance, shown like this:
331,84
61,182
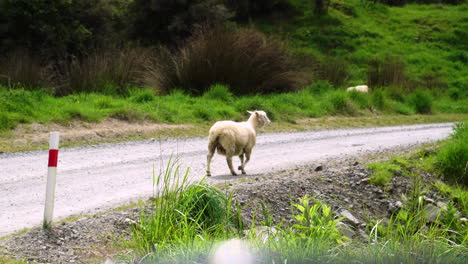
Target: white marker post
51,179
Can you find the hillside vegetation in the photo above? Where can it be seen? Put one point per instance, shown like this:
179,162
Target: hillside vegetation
214,63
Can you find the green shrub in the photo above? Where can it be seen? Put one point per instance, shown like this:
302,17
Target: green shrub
6,122
421,101
317,221
453,156
248,62
378,99
219,92
340,104
142,96
362,100
319,87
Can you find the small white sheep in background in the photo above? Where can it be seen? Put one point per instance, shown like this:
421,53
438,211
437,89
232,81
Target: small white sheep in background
231,138
359,88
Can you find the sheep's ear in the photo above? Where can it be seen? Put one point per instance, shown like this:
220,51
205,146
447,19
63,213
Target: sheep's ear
250,112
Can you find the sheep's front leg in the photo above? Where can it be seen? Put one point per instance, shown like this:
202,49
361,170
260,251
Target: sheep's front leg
241,167
229,162
247,158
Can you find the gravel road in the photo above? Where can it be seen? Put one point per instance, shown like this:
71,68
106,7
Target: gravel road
96,178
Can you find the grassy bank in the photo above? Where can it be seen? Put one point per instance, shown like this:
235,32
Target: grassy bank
318,100
409,236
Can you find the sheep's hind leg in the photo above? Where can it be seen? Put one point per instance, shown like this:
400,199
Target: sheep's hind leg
211,151
241,167
229,162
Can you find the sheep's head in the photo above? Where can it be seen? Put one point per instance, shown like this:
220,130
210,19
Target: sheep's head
261,118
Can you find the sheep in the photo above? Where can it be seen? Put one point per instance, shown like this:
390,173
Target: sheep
231,138
359,88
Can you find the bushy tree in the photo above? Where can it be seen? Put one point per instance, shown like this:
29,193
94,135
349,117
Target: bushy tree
59,27
248,8
167,21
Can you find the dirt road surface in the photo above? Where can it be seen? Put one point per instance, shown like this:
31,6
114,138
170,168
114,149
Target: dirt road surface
96,178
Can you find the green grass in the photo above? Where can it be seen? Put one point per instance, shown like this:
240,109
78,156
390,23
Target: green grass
452,158
21,106
383,172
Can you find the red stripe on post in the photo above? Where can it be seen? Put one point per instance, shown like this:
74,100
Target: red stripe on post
53,157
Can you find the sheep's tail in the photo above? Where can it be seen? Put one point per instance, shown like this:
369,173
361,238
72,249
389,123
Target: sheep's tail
215,145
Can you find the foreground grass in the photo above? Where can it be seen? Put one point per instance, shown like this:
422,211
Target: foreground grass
188,229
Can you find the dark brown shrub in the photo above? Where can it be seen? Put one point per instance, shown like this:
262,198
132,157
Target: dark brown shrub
386,72
21,69
104,71
245,60
334,70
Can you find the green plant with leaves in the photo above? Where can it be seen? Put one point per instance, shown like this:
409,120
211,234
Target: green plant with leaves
316,221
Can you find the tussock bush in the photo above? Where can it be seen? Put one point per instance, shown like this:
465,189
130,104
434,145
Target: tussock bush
421,101
333,69
203,204
21,69
386,72
453,156
104,71
245,60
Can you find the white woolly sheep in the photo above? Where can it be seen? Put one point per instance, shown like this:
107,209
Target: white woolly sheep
359,88
231,138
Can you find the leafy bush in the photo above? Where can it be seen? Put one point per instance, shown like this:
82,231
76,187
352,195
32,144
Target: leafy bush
453,156
249,63
317,221
421,101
